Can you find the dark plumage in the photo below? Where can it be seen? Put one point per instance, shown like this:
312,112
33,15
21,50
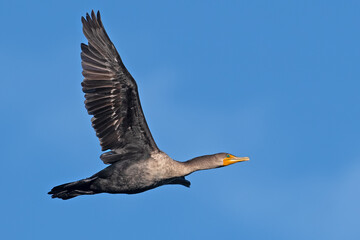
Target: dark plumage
112,98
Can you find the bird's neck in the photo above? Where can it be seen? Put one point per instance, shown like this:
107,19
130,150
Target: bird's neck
196,164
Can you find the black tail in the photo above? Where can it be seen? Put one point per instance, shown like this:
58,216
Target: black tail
73,189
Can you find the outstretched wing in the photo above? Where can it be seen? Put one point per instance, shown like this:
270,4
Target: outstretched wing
111,95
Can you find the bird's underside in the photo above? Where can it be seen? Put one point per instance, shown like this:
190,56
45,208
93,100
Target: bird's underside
111,97
127,176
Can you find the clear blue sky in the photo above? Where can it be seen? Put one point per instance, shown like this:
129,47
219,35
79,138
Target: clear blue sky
277,81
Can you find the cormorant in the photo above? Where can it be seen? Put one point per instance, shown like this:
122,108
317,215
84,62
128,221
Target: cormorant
111,96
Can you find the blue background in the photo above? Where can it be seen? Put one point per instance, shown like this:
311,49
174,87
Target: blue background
277,81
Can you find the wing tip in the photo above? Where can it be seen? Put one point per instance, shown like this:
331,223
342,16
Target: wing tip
92,19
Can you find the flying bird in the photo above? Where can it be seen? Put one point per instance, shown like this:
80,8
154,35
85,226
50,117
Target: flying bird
136,164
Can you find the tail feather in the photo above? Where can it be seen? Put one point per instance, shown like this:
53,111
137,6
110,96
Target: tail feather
73,189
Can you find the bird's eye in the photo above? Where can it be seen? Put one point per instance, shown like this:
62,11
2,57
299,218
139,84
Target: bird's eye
227,155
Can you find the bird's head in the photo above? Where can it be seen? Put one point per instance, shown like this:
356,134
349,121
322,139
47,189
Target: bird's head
213,161
225,159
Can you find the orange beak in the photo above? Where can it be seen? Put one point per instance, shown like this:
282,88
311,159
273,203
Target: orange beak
232,159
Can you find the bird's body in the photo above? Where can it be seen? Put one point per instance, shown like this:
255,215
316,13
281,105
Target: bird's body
129,176
136,163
